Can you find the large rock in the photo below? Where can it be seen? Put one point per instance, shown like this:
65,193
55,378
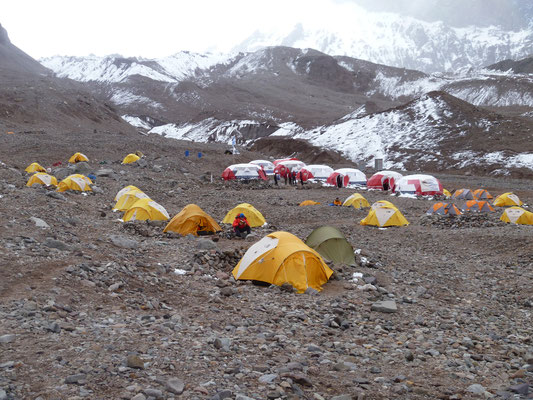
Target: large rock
82,168
56,244
386,306
175,385
123,242
39,223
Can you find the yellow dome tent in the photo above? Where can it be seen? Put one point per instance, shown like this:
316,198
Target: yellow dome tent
128,199
281,257
35,167
517,215
507,199
124,190
446,193
130,158
75,182
190,220
254,217
144,209
356,201
308,203
77,157
385,216
42,179
383,203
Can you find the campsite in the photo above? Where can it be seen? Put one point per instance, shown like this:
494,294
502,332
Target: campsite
117,309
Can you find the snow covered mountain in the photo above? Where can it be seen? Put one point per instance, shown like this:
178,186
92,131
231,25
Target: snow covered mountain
434,132
114,69
362,109
397,40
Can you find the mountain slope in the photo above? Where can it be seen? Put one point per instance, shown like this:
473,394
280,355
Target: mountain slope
524,66
434,132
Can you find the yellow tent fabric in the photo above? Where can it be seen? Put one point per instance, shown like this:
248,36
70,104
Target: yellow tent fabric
35,167
356,201
507,199
517,215
75,182
190,220
130,158
384,216
77,157
144,209
124,190
383,203
254,217
42,179
446,193
128,199
281,257
139,153
308,203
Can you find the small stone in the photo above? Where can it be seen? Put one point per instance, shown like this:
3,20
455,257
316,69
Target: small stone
386,306
522,389
158,394
39,223
222,395
311,291
76,378
7,338
139,396
267,378
476,388
342,397
123,242
222,343
56,244
134,361
243,397
175,385
519,374
3,395
205,244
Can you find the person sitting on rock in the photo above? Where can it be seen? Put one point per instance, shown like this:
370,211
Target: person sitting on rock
337,202
241,226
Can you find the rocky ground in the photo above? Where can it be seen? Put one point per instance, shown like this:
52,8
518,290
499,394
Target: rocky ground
94,308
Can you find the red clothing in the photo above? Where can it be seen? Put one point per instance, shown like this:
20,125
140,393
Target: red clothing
240,222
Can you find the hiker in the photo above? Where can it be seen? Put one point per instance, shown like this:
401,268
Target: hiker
339,180
276,179
241,226
294,180
289,173
337,202
285,176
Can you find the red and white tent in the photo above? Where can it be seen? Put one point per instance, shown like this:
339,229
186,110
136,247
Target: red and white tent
276,162
383,179
244,171
304,175
267,165
421,185
355,177
332,179
319,172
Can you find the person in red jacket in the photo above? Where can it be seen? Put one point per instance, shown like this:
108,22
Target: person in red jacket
241,226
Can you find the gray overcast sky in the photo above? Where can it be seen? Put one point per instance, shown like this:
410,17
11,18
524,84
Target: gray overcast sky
159,28
156,28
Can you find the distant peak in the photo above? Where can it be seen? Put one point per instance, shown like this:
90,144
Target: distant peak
4,39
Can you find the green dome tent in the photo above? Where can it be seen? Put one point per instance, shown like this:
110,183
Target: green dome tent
331,244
